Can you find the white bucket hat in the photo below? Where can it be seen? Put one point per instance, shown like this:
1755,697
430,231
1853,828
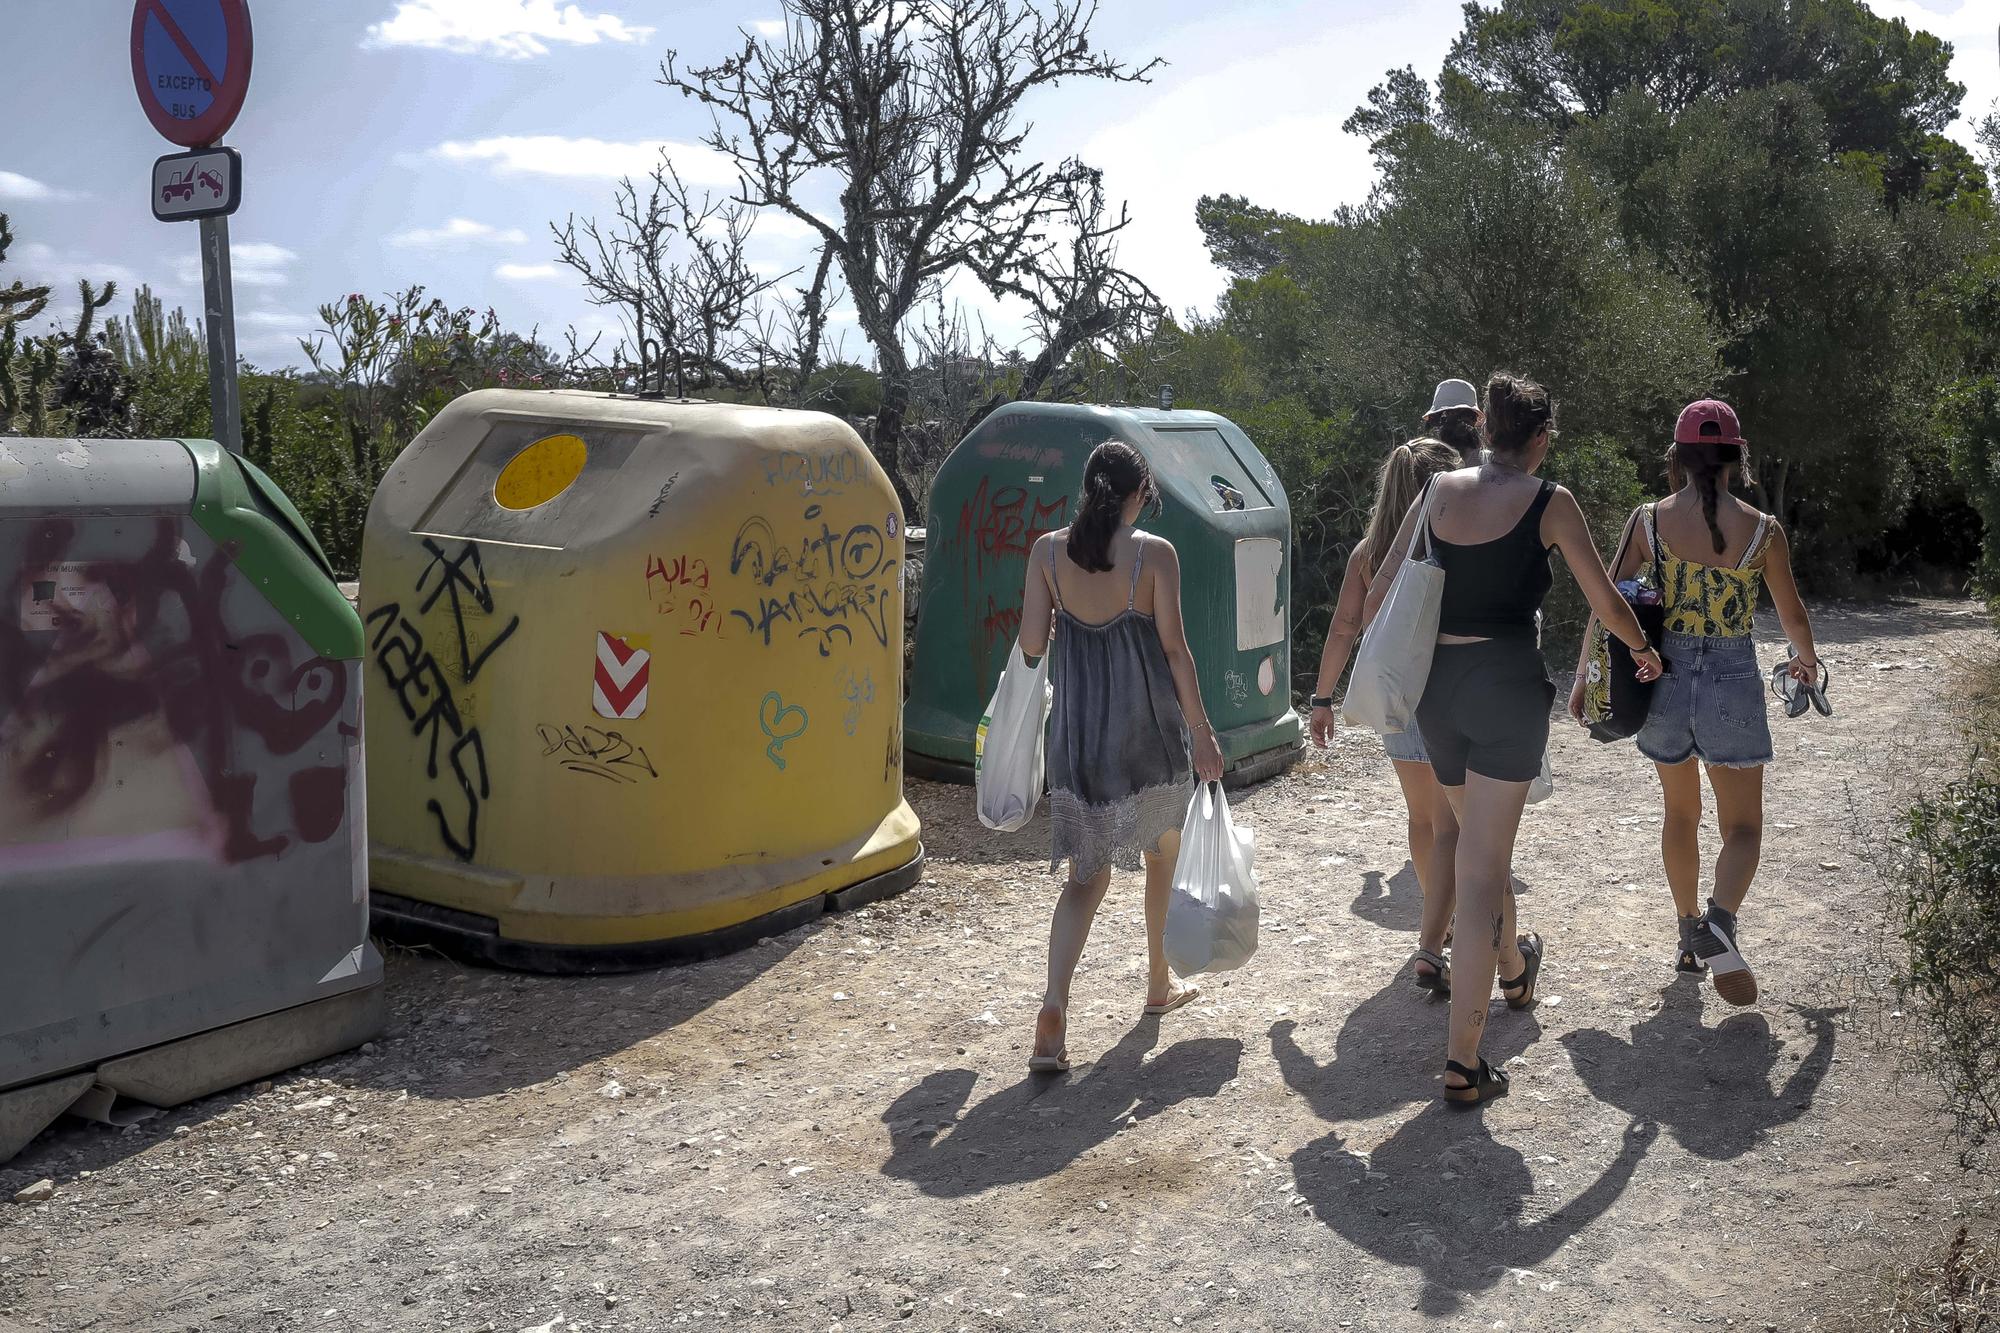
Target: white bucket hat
1453,395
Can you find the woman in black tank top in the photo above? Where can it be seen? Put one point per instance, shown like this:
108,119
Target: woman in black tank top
1485,710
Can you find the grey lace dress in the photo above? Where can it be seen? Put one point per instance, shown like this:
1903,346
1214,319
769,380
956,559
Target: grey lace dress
1120,768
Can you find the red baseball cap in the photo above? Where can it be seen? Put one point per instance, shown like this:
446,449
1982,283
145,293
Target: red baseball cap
1710,421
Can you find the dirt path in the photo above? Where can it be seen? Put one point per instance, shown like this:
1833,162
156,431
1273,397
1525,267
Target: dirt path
833,1130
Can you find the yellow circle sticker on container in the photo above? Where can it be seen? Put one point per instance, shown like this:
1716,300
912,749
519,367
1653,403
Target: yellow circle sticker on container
540,472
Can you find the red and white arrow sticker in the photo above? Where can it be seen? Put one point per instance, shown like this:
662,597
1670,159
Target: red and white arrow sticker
624,668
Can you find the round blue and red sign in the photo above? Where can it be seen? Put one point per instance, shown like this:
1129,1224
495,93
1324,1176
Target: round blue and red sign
191,63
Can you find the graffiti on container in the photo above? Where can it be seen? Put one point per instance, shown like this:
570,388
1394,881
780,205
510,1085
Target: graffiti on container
892,757
423,690
1004,523
857,692
660,502
679,589
820,472
781,722
1236,687
999,624
595,753
138,718
818,585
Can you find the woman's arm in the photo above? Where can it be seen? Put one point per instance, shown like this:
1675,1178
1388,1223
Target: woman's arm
1790,606
1629,562
1563,527
1038,602
1165,563
1340,640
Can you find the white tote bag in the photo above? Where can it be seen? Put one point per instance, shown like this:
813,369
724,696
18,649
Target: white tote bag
1394,662
1008,753
1212,913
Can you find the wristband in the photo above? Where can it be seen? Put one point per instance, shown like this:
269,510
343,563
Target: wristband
1320,701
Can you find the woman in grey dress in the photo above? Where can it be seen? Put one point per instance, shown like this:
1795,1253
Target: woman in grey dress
1127,724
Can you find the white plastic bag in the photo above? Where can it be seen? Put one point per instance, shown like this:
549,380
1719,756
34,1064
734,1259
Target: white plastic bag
1394,662
1008,753
1544,784
1212,913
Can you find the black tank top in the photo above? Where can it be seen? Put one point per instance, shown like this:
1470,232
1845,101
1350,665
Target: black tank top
1492,590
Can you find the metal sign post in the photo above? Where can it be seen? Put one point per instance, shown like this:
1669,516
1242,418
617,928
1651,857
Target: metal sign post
218,303
191,65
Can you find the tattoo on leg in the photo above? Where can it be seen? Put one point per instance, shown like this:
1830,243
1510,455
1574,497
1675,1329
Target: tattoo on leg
1498,921
1479,1018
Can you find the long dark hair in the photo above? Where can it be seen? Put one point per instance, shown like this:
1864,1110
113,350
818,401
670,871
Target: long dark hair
1516,409
1457,427
1115,473
1704,463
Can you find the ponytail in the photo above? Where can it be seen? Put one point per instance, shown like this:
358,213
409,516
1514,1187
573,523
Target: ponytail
1115,473
1704,465
1405,473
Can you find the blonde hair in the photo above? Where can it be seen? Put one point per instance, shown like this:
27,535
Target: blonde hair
1404,474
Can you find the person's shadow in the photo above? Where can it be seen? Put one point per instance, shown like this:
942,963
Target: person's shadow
1036,1127
1711,1087
1445,1198
1389,1053
1393,902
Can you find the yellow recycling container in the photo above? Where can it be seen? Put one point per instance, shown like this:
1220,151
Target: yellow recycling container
634,679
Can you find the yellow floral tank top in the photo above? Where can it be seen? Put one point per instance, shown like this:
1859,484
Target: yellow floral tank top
1711,601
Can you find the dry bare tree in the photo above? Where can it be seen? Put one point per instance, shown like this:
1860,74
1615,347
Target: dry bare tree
674,269
904,117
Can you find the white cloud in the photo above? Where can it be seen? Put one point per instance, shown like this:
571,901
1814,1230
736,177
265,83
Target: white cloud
280,321
769,27
527,272
251,264
460,231
585,158
1968,26
510,29
27,189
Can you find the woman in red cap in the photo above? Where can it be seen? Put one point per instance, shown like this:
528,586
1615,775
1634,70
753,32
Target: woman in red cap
1710,554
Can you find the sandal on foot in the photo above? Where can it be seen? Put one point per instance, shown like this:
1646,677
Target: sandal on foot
1438,980
1689,960
1531,954
1173,1002
1481,1085
1057,1063
1715,941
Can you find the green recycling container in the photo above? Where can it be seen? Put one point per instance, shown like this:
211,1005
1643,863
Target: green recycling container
1016,477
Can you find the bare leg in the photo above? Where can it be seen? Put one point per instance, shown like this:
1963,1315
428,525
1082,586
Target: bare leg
1739,808
1159,886
1680,834
1433,846
1489,817
1075,910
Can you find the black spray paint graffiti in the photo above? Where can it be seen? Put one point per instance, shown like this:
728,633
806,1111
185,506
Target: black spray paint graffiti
423,691
781,722
596,753
826,473
817,586
111,664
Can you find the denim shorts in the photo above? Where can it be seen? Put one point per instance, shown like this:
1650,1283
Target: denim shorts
1406,746
1709,706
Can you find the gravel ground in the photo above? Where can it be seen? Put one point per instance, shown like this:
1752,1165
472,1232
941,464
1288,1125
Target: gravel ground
834,1130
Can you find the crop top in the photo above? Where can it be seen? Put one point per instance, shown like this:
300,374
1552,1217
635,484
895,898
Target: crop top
1492,590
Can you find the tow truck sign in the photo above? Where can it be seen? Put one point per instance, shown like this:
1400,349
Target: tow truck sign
206,183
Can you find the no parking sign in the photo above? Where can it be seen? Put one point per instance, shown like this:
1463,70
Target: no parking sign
191,63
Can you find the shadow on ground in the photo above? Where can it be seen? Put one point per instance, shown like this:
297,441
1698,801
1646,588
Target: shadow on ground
1034,1128
1710,1087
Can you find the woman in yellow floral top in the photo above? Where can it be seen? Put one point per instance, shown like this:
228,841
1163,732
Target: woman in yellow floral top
1710,554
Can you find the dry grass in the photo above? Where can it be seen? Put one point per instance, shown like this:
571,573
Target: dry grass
1948,1282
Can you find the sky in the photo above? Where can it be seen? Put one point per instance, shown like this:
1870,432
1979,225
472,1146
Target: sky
392,142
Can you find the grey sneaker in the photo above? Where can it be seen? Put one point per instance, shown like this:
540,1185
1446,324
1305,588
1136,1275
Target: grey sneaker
1689,960
1715,942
